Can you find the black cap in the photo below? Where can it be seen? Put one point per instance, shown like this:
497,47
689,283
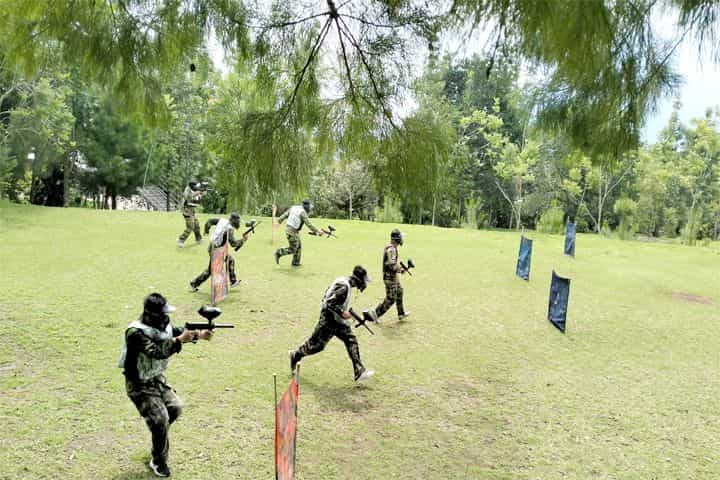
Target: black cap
156,304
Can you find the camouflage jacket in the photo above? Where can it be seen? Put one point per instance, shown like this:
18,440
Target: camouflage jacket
391,263
337,297
229,235
147,351
304,219
188,207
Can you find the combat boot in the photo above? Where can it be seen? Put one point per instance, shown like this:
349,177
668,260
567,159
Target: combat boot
293,360
371,316
159,469
364,376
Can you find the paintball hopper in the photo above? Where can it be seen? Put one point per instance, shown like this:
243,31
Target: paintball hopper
250,225
330,232
209,313
410,264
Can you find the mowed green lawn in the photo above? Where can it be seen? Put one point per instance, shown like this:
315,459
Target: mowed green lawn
477,384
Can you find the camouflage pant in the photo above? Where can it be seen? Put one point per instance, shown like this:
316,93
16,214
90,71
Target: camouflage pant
191,225
160,407
393,295
294,247
327,328
205,274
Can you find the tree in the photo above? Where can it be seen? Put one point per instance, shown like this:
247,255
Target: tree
511,163
111,145
344,189
700,171
40,129
607,64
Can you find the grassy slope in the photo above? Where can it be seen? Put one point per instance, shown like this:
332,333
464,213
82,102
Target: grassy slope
476,385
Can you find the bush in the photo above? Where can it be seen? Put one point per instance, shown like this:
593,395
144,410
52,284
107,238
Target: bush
626,209
390,211
551,221
474,216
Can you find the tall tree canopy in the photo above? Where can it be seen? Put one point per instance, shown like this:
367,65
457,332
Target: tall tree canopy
334,73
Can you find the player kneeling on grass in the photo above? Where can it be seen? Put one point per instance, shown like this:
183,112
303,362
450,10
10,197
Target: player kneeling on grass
224,232
393,289
334,322
150,341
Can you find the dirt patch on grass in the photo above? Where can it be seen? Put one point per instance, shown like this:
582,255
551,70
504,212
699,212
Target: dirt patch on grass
94,443
689,297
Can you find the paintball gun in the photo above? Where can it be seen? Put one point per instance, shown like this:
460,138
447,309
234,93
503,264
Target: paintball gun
362,321
251,226
209,313
409,265
330,232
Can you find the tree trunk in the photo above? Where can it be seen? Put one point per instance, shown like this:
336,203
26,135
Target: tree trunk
350,209
433,210
598,227
66,181
113,201
459,210
690,227
519,208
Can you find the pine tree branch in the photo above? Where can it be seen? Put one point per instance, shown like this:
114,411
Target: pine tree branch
364,21
274,26
345,60
379,96
313,51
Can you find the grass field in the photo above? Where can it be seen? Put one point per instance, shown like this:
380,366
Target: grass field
476,385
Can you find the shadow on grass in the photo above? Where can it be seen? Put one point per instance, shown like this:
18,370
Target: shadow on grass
343,398
395,329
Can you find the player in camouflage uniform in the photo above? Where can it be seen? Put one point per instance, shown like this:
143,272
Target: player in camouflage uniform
393,289
334,322
297,216
190,195
224,232
150,341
